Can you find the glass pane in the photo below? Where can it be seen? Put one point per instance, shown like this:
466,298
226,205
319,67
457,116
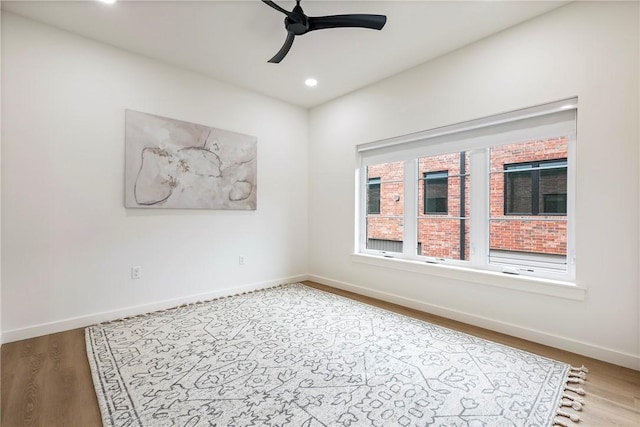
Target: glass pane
553,188
442,237
385,206
443,206
529,243
373,196
528,192
523,173
518,193
436,184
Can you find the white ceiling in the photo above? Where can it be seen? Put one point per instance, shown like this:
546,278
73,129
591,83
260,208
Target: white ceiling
232,40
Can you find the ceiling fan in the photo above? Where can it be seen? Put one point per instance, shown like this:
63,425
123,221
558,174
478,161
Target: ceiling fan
297,24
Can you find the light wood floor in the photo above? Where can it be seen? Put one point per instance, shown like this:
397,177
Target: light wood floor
46,381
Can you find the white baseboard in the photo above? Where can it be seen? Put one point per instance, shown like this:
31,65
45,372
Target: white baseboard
83,321
563,343
568,344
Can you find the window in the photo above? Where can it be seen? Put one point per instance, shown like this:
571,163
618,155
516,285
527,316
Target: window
373,196
527,228
442,226
494,194
436,192
536,188
385,210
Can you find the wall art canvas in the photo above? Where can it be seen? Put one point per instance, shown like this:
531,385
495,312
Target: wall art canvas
175,164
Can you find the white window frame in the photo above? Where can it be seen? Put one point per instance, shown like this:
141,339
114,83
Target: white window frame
536,123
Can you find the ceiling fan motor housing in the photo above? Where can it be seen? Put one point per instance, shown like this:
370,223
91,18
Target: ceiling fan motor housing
297,26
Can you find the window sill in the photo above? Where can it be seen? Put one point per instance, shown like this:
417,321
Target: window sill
535,285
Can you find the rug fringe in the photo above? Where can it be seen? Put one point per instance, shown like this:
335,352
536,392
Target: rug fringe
576,375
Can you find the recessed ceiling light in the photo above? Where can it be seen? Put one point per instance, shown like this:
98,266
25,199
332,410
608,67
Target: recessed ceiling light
311,82
107,1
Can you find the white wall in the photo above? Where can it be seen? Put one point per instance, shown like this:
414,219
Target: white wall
68,242
589,50
0,183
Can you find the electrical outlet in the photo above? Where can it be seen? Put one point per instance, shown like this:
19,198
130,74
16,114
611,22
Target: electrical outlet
136,272
240,259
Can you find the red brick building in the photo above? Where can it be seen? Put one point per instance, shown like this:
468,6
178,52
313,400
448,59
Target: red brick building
528,202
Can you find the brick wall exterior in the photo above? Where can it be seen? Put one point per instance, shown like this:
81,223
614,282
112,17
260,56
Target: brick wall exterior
439,234
538,234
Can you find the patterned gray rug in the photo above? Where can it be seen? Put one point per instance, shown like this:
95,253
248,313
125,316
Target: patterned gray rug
296,356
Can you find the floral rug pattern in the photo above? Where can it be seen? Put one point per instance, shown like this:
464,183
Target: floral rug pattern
296,356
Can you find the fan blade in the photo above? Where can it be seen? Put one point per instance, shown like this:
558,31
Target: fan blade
276,7
284,49
374,22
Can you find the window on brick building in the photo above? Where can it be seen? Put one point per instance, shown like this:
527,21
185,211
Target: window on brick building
493,194
373,196
385,209
436,190
528,225
536,188
443,206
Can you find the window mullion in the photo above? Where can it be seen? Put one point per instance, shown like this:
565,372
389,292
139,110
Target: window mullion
410,227
479,208
571,205
362,184
535,190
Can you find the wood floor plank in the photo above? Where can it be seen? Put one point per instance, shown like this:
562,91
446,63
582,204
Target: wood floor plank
27,376
46,381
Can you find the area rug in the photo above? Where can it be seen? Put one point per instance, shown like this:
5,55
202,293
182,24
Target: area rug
296,356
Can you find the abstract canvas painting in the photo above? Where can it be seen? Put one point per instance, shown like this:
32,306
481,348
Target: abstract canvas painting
176,164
